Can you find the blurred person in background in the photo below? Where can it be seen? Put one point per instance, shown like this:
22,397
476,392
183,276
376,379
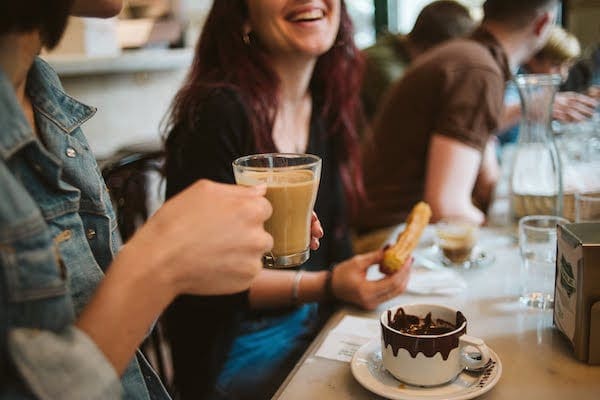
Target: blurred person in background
72,312
271,76
584,76
390,56
434,137
557,56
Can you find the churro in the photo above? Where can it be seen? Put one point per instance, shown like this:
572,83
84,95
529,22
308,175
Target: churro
396,256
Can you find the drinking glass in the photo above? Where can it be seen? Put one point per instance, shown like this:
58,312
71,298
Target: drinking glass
292,182
587,207
537,244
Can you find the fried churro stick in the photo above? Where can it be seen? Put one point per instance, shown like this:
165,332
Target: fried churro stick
397,255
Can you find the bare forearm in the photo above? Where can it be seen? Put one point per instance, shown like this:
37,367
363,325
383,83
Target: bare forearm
123,308
452,169
510,116
273,289
462,209
178,252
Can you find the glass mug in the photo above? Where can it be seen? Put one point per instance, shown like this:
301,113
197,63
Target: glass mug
292,183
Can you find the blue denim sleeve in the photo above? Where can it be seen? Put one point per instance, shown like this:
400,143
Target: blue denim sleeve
62,366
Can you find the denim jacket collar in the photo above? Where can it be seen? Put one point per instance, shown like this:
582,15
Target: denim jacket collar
48,98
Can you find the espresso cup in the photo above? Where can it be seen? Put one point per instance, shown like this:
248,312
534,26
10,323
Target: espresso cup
426,359
292,182
456,239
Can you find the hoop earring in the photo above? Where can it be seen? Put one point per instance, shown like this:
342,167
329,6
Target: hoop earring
246,38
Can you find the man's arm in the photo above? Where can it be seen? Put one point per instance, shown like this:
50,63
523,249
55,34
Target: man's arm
452,168
567,107
489,173
511,115
207,240
573,107
97,8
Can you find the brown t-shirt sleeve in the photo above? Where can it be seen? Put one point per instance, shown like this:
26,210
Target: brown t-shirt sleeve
471,105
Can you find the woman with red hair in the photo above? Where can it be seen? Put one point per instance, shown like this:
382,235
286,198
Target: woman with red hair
271,76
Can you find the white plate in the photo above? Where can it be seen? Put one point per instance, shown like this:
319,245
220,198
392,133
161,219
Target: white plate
367,368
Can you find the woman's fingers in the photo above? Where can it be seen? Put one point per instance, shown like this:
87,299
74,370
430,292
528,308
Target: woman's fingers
316,232
392,285
315,227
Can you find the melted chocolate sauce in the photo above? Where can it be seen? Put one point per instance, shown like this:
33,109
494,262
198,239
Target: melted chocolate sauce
424,327
414,325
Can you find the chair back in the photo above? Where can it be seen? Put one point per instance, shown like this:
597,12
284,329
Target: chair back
135,183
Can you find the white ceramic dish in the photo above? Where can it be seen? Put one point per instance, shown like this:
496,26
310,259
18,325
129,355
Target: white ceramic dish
367,368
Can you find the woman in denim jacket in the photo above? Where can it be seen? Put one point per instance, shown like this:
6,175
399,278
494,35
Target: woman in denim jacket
71,313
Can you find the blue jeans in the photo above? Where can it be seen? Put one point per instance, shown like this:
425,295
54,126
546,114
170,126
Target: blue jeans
265,352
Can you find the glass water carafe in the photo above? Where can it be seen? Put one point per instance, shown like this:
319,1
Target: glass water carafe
536,178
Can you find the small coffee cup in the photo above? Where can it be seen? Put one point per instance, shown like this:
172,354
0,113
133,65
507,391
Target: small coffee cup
428,354
456,239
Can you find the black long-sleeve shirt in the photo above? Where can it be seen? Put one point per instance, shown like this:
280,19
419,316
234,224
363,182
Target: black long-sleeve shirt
201,329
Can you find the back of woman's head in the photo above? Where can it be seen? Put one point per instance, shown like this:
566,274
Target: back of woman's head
227,57
47,17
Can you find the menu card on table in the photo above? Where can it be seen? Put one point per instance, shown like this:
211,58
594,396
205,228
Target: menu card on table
348,336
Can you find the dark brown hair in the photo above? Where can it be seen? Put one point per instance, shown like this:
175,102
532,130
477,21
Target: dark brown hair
47,16
223,59
517,13
440,21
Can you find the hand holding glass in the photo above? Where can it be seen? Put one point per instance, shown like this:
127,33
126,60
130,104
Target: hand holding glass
292,182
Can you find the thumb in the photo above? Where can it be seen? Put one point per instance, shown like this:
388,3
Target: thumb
258,190
254,190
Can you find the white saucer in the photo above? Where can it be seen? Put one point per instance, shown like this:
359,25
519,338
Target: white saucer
480,257
367,368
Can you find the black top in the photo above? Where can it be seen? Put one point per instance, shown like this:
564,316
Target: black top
201,329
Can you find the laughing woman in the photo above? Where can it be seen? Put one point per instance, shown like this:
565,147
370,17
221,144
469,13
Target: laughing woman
271,76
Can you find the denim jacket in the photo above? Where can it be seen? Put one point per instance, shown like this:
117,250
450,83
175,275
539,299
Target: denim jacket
58,234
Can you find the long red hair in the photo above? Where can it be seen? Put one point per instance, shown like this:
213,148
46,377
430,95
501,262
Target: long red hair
224,59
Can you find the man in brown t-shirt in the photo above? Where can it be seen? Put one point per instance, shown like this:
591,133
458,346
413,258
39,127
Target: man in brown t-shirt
432,138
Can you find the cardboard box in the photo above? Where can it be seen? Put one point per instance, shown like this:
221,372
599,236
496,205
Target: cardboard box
577,288
91,37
